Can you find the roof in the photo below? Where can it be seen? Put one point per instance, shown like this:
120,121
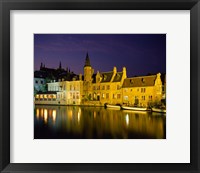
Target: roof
40,74
47,92
87,61
141,81
118,77
106,76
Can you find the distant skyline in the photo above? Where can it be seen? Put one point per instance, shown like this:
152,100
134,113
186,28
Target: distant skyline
139,53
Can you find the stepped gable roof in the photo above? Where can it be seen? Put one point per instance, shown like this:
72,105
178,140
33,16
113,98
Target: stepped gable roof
118,77
106,76
141,81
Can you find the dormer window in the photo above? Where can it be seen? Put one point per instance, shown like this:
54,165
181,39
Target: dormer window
143,80
104,77
131,81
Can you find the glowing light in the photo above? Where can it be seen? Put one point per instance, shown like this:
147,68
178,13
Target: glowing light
127,119
79,116
37,113
54,115
41,112
95,114
45,115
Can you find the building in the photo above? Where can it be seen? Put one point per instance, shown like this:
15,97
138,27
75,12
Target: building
62,93
97,89
143,90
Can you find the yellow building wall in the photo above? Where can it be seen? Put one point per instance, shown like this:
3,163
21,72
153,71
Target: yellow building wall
143,96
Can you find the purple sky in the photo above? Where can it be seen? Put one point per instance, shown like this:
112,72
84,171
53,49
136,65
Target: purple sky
139,53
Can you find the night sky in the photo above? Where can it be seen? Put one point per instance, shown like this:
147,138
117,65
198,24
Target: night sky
141,54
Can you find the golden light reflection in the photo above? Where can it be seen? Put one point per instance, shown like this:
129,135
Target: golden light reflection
54,115
45,115
127,119
79,116
37,113
70,114
41,112
95,114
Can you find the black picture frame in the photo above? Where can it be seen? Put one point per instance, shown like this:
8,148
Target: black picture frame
7,5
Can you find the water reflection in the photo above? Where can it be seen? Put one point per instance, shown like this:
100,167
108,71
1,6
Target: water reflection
66,122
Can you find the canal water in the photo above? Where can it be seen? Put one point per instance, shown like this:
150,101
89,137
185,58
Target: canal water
75,122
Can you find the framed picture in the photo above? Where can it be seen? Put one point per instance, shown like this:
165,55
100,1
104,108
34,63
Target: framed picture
99,86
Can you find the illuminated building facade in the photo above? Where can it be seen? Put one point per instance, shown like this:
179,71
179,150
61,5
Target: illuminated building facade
143,91
111,87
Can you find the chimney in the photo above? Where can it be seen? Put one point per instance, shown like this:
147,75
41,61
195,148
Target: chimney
124,72
80,76
114,70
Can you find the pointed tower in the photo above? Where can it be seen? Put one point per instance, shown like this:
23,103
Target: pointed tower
87,69
87,83
87,61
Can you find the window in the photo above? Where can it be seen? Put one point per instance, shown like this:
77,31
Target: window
113,96
98,87
163,89
118,87
36,81
118,96
125,97
141,90
144,90
103,95
41,81
103,87
94,88
108,87
107,95
77,95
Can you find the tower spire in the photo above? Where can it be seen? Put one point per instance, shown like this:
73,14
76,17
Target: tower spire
87,60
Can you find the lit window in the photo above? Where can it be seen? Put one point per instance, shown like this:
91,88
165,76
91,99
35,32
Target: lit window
118,96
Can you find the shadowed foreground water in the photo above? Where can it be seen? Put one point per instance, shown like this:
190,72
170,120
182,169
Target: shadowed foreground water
74,122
